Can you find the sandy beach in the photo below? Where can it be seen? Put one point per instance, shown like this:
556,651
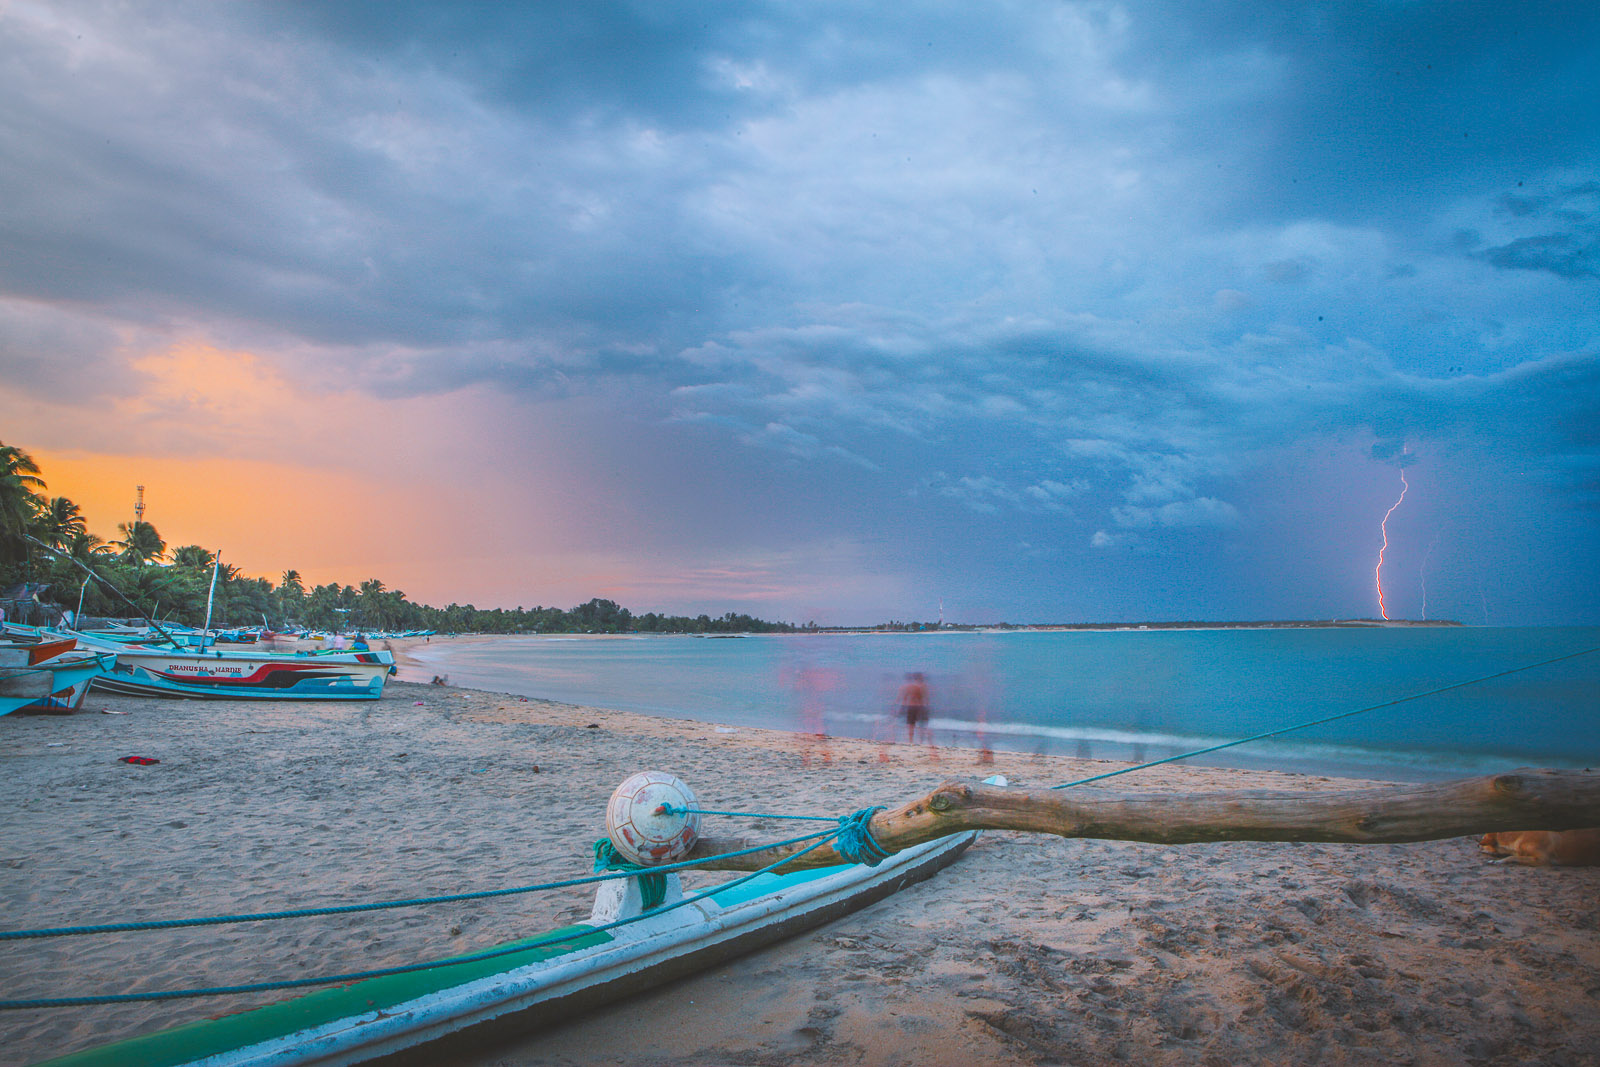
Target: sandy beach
1030,950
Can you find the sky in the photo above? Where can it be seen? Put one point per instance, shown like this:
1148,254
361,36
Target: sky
1026,312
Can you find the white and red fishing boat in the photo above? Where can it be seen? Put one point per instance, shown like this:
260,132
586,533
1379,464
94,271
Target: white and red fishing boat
213,674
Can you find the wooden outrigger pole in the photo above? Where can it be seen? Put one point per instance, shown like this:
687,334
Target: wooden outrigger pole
1525,799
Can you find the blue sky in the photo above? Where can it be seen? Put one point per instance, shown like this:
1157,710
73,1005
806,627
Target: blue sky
1049,312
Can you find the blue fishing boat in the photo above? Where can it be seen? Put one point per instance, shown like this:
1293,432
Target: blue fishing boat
213,674
47,675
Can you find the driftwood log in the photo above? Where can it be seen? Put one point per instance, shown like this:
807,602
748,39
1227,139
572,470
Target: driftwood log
1519,800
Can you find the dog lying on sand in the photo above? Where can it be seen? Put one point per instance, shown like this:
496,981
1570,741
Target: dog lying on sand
1541,848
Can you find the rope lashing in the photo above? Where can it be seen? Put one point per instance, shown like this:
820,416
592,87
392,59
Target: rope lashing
855,841
652,883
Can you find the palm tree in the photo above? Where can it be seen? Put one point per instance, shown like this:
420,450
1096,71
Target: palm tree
140,543
193,557
291,593
374,611
227,576
87,547
62,522
19,504
148,586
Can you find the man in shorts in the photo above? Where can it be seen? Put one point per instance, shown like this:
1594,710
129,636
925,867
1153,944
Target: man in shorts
914,706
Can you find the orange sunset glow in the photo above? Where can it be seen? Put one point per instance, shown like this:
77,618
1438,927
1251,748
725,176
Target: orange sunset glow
235,457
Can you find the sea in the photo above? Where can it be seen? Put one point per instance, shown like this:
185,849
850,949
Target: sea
1412,702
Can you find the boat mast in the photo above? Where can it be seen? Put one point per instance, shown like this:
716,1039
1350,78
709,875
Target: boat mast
216,565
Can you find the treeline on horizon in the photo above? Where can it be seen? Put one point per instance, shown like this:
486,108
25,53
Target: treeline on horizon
174,585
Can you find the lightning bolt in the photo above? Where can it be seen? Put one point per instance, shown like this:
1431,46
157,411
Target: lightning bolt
1384,526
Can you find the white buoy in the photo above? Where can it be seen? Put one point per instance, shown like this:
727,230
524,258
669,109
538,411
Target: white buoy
640,830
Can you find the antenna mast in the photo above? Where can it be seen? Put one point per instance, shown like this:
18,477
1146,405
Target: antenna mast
138,507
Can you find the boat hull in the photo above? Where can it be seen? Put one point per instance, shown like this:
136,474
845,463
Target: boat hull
232,676
407,1016
57,684
62,700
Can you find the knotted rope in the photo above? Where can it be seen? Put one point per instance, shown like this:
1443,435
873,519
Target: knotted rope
652,883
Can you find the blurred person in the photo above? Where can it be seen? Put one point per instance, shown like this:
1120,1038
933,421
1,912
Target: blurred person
811,682
913,701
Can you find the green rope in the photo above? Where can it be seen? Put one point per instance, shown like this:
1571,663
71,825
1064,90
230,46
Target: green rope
652,883
1327,719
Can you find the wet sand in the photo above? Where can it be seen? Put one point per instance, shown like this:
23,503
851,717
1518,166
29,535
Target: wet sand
1030,950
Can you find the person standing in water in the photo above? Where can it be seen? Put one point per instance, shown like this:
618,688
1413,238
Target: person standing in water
914,706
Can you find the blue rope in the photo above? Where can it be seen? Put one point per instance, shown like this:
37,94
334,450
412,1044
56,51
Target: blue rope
855,841
673,809
356,976
1319,722
217,920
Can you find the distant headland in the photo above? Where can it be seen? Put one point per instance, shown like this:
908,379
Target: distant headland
1187,624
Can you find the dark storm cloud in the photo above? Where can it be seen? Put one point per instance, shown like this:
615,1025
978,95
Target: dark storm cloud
178,170
1572,250
1074,267
679,64
1560,254
1376,107
580,63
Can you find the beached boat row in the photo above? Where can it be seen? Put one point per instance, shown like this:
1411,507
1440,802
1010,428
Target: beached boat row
151,669
194,637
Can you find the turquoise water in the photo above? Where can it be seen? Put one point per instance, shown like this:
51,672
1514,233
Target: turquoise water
1109,695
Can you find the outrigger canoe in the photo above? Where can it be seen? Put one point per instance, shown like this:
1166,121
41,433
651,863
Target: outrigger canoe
542,980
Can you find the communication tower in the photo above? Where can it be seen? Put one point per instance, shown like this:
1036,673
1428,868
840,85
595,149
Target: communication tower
138,506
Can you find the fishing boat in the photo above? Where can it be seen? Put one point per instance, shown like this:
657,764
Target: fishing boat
174,671
215,674
531,982
142,670
47,675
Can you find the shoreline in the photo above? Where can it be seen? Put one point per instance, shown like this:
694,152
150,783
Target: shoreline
420,660
1029,950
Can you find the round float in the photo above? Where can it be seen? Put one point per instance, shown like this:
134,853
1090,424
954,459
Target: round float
640,830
